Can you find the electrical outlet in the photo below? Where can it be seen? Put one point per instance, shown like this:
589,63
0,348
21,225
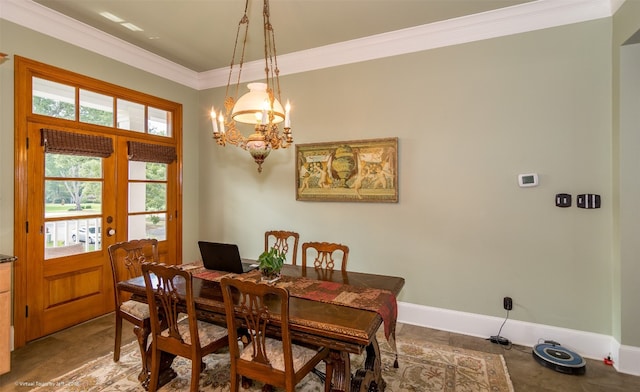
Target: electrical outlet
507,303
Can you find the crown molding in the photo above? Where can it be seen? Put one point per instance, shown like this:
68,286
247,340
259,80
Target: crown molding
54,24
535,15
522,18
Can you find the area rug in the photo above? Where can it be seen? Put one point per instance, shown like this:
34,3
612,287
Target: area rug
424,366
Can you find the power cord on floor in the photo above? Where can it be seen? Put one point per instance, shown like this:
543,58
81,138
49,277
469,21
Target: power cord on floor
499,339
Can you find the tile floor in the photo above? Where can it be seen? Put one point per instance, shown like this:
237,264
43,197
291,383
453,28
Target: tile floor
54,355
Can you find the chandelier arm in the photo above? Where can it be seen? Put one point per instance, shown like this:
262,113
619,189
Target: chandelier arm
234,137
275,140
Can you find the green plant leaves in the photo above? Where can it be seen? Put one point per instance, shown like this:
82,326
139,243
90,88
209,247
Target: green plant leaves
270,262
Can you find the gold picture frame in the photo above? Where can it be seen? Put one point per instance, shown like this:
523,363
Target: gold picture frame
358,171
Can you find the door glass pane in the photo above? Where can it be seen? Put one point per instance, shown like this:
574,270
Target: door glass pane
73,188
76,166
148,226
147,171
73,236
147,197
159,122
53,99
71,198
130,116
96,108
147,200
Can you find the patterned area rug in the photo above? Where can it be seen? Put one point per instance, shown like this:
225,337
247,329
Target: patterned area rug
424,366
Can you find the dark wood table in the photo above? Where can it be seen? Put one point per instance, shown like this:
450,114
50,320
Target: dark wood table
343,329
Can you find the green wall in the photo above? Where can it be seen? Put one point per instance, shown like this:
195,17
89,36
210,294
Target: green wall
469,119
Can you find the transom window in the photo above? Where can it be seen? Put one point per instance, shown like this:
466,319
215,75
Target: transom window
59,100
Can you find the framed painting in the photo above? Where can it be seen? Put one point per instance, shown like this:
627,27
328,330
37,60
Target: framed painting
359,171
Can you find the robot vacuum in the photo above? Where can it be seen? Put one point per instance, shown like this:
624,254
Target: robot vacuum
552,355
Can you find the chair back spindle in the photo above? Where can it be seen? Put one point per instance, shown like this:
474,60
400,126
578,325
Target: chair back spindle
126,261
326,255
284,241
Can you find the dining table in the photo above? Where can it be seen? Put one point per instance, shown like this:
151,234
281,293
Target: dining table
341,310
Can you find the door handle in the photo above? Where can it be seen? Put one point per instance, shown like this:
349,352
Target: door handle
111,232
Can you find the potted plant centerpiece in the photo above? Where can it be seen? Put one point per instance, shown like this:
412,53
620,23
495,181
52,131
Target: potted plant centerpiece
270,263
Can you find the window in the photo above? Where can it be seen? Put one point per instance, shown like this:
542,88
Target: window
53,99
96,108
58,100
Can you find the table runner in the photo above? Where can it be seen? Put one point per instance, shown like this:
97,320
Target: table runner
211,275
380,301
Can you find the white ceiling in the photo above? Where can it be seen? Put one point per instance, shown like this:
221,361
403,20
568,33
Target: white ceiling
191,41
199,34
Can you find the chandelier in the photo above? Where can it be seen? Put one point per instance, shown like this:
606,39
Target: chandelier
259,107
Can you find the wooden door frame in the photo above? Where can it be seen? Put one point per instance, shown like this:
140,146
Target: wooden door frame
23,72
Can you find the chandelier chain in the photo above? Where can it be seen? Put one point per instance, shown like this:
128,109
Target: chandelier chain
243,21
273,72
261,106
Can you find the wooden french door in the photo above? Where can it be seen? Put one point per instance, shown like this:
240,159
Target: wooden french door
69,269
73,201
67,258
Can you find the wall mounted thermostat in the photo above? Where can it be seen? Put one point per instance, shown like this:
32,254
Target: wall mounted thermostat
527,180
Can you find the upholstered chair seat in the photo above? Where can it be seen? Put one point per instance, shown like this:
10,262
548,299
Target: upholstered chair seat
135,308
207,332
301,355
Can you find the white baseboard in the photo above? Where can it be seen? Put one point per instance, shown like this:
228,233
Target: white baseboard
589,345
629,360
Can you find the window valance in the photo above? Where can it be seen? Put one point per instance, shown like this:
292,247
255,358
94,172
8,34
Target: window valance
146,152
71,143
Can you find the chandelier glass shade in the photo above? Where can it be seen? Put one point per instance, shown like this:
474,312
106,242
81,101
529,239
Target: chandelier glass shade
249,108
260,107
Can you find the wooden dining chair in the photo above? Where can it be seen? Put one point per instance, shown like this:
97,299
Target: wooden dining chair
168,289
325,255
284,241
274,361
126,261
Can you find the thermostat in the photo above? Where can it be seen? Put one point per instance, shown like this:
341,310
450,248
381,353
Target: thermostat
526,180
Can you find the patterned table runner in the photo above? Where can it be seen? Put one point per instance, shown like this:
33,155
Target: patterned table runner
211,275
380,301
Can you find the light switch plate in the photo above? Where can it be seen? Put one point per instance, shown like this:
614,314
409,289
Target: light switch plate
563,200
588,200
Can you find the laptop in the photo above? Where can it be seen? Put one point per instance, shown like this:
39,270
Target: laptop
223,257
